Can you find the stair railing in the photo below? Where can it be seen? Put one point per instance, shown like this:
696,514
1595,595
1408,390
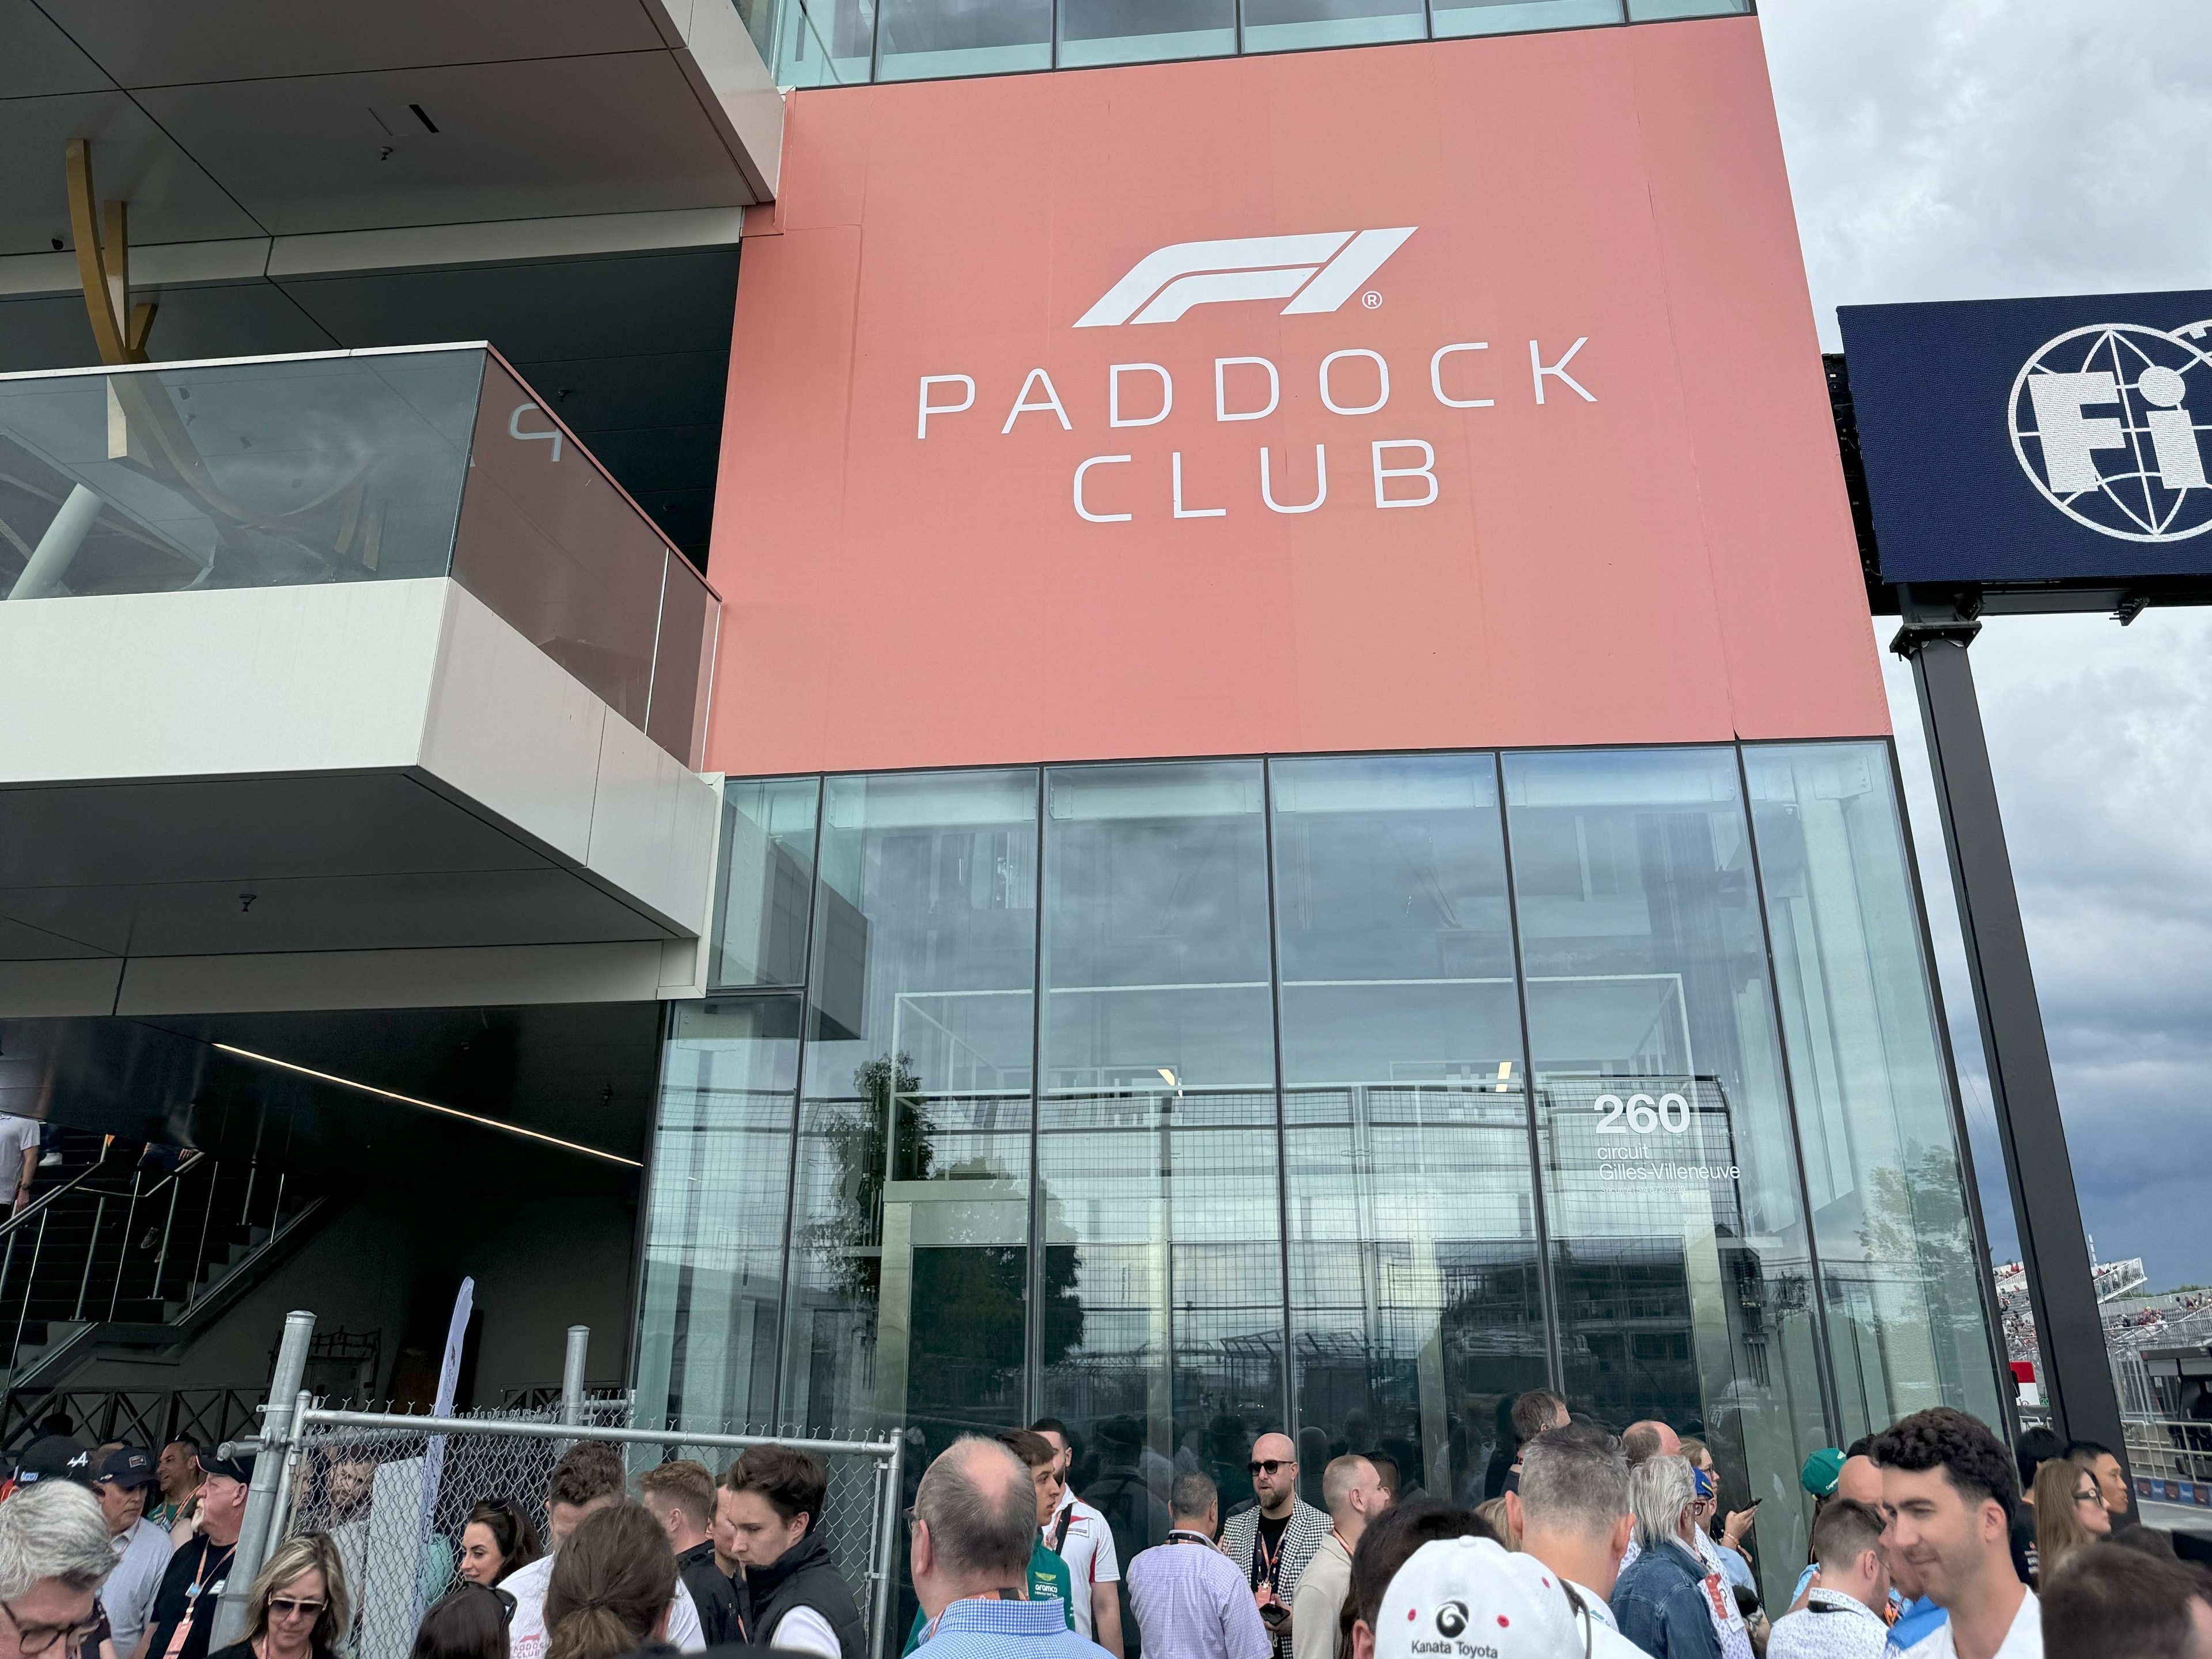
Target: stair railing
180,1218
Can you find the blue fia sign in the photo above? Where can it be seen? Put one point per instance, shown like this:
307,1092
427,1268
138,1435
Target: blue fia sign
2036,440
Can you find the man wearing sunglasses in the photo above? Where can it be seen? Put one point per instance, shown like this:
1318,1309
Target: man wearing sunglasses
54,1555
1273,1542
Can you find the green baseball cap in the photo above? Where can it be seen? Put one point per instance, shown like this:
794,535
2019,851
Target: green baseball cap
1821,1472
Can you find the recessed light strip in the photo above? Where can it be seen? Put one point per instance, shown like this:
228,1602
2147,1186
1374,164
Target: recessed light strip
428,1105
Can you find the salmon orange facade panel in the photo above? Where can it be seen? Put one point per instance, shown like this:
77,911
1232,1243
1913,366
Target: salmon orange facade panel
1456,394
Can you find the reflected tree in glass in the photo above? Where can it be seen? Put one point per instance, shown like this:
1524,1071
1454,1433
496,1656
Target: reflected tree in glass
910,1244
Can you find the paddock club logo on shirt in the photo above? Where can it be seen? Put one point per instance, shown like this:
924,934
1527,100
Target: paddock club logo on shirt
1318,273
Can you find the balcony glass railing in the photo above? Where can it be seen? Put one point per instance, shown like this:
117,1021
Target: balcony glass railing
825,43
355,466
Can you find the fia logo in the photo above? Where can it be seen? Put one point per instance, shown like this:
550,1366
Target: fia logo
2107,422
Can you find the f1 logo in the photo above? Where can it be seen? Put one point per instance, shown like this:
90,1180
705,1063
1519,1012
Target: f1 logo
1316,272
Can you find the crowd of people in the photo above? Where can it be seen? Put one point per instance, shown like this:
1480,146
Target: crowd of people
1929,1540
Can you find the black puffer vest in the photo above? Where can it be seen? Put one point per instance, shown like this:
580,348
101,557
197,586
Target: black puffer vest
804,1576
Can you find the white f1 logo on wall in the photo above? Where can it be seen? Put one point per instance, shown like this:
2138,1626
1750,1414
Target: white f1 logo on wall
1316,273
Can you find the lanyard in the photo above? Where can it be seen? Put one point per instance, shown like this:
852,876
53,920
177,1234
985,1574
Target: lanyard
199,1587
1263,1558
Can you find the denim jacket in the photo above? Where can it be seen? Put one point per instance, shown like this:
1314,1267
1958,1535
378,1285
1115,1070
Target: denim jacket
1661,1605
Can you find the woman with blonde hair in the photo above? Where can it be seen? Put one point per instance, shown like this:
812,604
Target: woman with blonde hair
612,1584
2069,1514
297,1608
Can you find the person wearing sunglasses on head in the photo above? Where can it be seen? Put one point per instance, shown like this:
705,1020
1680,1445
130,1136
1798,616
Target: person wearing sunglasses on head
1273,1541
297,1607
54,1555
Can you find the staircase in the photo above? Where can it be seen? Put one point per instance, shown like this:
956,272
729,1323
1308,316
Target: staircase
124,1248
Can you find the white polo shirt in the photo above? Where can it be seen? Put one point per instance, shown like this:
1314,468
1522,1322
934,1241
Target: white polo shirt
1086,1547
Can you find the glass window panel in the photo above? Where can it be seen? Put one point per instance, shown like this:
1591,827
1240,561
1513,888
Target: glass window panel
1143,31
767,869
1456,17
714,1219
927,39
909,1260
682,661
823,43
1679,1238
1415,1304
1296,25
234,475
552,544
1657,11
1163,1310
1907,1321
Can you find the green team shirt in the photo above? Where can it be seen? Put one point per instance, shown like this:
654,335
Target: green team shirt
1048,1581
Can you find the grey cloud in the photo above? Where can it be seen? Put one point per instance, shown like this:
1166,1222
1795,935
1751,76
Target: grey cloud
1967,148
1945,149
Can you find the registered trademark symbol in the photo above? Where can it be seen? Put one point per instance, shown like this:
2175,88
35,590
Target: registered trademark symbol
1371,299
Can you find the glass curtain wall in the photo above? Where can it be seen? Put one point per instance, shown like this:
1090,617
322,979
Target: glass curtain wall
1156,1157
1905,1283
1349,1095
1416,1307
908,1274
1680,1250
817,43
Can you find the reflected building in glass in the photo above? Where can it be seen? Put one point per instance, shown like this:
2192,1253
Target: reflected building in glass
1345,1096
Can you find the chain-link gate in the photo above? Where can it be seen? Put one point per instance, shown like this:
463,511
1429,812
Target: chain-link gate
392,1492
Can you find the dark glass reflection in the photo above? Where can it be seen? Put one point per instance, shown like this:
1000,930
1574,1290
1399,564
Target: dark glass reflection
1683,1275
764,882
909,1257
1415,1302
1162,1326
715,1227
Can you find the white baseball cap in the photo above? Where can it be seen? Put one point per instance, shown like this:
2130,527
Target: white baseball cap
1467,1598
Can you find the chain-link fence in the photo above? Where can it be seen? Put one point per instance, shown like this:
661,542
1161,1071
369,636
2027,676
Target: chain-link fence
393,1491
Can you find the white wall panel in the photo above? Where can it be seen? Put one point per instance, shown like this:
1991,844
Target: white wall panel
218,683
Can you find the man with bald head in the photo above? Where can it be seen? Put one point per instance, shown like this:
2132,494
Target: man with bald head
1648,1439
1353,1488
974,1525
1273,1542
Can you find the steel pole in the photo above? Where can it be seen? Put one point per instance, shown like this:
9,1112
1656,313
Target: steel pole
253,1531
2077,1374
572,1374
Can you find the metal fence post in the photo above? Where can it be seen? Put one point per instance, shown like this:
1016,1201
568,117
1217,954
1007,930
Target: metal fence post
885,1565
253,1533
572,1374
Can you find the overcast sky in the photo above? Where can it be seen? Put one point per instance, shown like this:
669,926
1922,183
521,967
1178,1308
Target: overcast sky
1946,149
